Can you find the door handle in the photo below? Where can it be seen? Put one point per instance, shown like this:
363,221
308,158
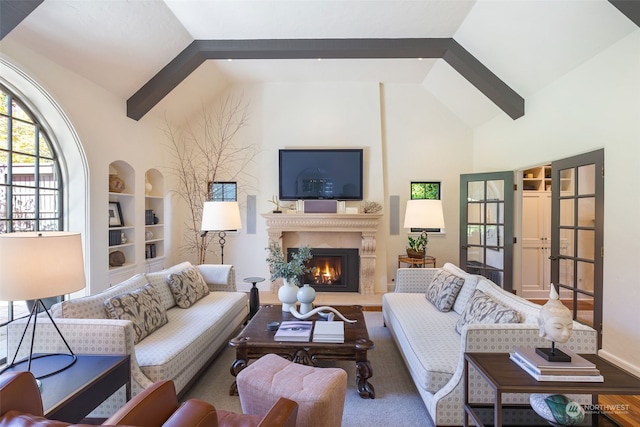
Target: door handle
553,258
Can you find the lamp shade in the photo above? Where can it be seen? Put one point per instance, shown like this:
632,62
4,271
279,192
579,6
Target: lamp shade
220,216
41,264
424,214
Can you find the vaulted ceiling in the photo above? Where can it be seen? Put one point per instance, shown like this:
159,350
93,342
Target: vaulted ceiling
480,58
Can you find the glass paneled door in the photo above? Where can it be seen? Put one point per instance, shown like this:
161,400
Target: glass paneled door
486,226
577,210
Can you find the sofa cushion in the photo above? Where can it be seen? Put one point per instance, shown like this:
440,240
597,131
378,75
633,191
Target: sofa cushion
191,335
187,287
92,306
142,307
443,290
481,308
426,337
527,310
468,287
159,281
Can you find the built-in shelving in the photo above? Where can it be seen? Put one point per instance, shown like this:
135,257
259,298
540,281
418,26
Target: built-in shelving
154,220
141,240
536,229
539,179
126,201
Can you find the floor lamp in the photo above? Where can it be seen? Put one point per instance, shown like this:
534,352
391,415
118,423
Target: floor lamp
220,217
35,266
424,214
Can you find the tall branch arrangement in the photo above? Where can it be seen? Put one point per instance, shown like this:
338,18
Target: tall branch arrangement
205,153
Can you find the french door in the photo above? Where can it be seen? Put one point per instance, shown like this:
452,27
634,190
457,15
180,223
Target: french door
577,224
486,226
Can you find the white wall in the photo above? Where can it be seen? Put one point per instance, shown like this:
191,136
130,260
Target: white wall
424,142
406,135
595,106
106,134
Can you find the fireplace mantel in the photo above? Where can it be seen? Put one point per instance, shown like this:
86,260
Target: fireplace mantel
364,224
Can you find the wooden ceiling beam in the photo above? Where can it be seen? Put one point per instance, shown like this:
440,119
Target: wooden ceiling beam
446,48
12,12
629,8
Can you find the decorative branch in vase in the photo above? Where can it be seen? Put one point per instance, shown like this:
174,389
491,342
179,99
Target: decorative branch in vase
208,149
289,271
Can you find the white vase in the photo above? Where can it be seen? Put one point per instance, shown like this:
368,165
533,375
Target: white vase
288,295
306,295
147,187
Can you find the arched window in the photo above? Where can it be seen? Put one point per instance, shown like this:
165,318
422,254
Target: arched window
30,182
30,179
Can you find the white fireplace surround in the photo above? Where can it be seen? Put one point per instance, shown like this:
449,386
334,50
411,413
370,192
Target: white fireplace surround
329,231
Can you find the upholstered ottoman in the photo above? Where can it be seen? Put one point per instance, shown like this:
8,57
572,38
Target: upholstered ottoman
319,392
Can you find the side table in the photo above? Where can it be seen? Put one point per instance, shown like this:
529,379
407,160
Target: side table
417,262
504,376
254,296
72,394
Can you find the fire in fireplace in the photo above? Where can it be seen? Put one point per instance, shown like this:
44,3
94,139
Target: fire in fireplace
332,270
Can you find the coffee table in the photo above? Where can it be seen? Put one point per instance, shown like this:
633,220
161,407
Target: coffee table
255,341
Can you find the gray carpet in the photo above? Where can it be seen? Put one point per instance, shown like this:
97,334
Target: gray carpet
397,402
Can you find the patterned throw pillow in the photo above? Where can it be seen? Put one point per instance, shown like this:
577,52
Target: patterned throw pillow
187,287
142,306
443,290
481,308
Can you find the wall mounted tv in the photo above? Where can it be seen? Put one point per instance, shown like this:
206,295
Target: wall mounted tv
321,174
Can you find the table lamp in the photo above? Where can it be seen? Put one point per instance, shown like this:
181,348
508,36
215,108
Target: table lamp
38,265
424,214
220,217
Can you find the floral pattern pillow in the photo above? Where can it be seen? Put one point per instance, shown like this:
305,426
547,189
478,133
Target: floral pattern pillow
481,308
443,290
142,306
187,286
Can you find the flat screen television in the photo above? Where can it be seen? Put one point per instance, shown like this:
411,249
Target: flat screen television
307,174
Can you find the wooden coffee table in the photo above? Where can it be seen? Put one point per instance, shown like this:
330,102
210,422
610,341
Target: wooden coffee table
256,341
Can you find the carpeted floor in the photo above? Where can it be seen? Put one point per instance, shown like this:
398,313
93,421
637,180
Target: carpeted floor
397,402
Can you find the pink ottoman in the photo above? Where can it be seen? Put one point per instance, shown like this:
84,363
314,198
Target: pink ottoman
319,392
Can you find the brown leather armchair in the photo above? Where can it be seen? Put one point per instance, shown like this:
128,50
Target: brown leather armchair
21,406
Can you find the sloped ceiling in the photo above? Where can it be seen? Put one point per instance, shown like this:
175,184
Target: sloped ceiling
121,45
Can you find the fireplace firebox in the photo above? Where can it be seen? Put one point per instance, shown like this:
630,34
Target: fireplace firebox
332,270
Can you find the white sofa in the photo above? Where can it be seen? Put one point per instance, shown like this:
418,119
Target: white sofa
434,351
178,350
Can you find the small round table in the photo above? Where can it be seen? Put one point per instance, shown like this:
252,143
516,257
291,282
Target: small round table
417,262
254,296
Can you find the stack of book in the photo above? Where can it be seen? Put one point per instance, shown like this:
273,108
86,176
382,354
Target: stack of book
294,330
330,331
578,370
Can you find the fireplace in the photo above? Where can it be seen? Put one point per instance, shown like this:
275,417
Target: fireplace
332,270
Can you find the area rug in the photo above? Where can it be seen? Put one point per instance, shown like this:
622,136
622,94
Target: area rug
397,401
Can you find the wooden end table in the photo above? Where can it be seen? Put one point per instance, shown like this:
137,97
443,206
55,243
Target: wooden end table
504,376
255,341
73,393
417,262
